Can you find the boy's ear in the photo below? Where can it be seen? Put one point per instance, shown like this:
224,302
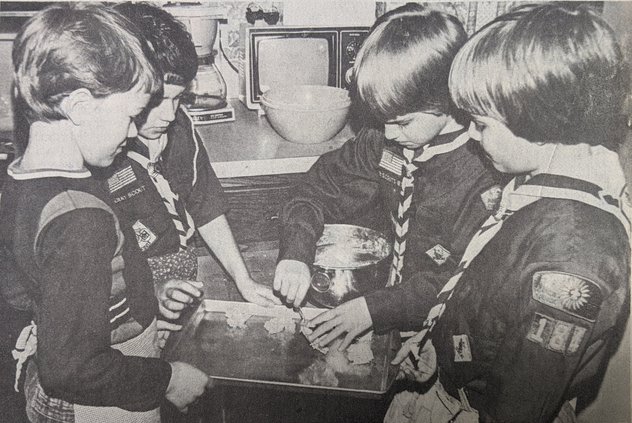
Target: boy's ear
78,106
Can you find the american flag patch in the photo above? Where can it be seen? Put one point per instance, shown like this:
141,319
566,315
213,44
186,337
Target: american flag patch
391,162
121,178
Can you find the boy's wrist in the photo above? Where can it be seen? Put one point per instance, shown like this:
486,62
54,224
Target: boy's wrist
242,278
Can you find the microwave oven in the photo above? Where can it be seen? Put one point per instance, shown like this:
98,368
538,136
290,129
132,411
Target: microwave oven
292,55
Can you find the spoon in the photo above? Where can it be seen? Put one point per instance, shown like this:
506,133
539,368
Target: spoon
300,312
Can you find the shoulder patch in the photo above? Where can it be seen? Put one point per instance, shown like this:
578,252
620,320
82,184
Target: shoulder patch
556,335
491,197
121,178
571,294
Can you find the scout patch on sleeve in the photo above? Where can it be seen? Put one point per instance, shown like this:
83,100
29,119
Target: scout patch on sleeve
390,166
491,197
439,254
556,335
144,236
121,178
462,350
569,293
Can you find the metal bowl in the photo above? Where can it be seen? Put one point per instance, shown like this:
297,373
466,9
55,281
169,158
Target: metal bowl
349,263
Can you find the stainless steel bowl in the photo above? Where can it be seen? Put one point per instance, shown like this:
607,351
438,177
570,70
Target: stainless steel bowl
349,263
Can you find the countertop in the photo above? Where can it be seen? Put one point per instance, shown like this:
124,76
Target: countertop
250,147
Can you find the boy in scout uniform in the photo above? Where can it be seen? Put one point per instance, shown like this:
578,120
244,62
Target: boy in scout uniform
541,297
420,167
164,186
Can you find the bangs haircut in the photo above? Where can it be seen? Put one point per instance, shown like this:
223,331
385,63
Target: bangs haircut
68,46
404,63
551,73
171,43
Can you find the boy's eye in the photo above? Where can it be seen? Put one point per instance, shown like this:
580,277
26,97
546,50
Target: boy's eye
479,126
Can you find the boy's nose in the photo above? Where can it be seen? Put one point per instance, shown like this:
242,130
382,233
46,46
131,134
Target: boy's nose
168,111
390,131
474,133
132,131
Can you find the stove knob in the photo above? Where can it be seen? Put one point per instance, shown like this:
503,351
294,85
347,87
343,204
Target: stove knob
352,50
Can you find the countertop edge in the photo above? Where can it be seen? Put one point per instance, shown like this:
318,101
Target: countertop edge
260,167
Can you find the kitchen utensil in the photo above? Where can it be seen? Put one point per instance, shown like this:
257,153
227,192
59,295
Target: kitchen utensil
349,263
300,313
306,114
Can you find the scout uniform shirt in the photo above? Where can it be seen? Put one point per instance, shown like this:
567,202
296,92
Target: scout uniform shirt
76,307
186,167
454,192
536,314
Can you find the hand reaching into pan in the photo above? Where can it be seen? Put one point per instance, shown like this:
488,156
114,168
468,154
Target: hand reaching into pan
351,318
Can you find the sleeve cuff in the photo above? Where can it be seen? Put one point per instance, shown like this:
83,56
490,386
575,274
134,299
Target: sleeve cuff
297,245
385,307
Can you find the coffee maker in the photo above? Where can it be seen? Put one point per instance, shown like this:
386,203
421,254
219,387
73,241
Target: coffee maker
206,102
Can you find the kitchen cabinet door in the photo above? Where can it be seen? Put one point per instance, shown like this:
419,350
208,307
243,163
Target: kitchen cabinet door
255,204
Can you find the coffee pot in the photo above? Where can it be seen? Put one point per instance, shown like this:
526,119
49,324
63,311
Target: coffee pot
208,88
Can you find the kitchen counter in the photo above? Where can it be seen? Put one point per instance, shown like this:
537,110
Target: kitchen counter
250,147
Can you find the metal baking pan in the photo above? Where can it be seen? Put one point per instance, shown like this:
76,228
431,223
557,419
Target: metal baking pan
253,356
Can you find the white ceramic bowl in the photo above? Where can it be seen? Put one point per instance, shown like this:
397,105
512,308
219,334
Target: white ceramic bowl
306,114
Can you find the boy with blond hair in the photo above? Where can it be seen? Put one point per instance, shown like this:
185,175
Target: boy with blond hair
542,294
82,74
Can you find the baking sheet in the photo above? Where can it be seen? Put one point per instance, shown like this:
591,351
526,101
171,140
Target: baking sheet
251,355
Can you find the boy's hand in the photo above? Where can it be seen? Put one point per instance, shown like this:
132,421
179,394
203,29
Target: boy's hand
256,293
164,328
186,385
352,318
291,281
415,365
175,295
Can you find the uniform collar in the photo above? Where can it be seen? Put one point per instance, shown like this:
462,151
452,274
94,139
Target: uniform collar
591,175
447,137
137,146
16,172
150,149
442,144
591,164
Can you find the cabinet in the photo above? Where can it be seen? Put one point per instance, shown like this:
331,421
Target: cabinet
255,203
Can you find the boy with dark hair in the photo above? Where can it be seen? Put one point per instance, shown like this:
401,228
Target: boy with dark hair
83,74
164,186
421,167
542,293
